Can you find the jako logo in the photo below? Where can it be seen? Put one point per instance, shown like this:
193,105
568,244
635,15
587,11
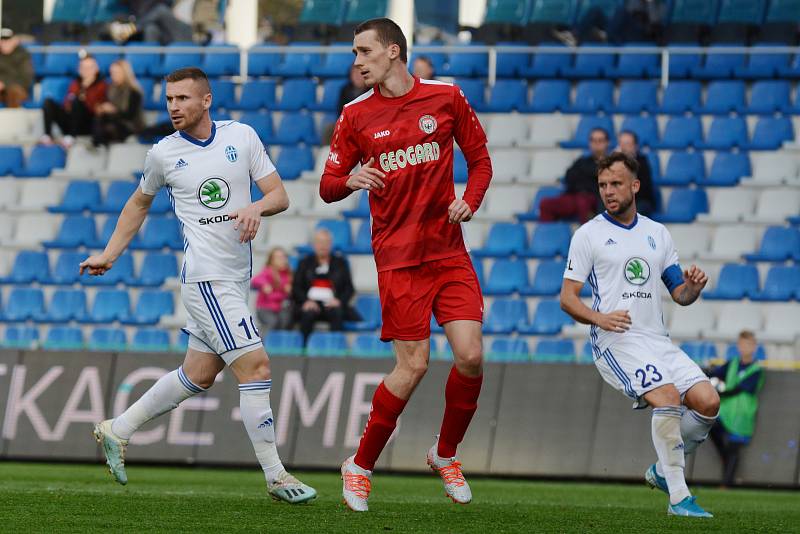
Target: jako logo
413,155
266,423
383,133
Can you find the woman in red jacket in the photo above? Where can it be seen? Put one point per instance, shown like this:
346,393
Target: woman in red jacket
274,285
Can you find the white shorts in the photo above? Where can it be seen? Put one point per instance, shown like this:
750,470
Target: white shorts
635,365
218,319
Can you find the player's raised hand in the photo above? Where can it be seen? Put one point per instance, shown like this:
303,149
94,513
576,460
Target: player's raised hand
95,265
248,219
367,177
695,279
618,321
458,212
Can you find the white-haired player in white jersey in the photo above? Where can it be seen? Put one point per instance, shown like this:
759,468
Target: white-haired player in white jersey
624,256
207,168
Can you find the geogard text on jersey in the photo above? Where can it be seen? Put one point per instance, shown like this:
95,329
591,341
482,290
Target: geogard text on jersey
412,155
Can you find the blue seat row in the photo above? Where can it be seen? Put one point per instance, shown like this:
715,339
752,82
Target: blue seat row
547,240
737,282
101,338
39,163
508,315
80,231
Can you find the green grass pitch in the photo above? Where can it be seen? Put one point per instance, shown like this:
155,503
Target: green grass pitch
83,498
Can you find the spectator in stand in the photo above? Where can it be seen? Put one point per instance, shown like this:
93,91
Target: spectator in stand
154,20
76,114
122,114
274,286
581,196
646,201
16,70
423,68
738,383
322,287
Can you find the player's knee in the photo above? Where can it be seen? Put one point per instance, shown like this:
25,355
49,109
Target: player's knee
470,361
709,404
201,379
415,369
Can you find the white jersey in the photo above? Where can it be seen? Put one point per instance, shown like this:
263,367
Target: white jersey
625,266
206,181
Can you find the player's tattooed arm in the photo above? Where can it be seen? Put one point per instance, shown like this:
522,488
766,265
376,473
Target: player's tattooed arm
689,291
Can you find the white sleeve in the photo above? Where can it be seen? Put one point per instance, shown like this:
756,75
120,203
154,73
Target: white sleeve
153,176
261,165
580,259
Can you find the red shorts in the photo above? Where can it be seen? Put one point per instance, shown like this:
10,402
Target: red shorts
449,288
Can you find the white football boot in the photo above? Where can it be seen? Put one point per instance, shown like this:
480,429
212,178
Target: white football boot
356,485
113,449
455,485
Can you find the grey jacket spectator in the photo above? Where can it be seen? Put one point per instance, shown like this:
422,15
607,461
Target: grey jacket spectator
16,70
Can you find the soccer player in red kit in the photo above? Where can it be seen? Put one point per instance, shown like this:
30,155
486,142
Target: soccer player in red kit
402,132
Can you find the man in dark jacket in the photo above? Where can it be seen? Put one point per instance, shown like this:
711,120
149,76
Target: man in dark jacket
646,201
16,70
322,287
580,198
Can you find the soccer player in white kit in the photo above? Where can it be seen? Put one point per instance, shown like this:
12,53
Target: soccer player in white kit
207,168
624,256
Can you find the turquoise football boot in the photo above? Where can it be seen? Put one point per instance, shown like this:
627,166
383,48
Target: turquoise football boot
687,508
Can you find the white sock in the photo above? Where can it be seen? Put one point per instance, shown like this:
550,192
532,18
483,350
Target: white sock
666,430
165,395
694,431
257,418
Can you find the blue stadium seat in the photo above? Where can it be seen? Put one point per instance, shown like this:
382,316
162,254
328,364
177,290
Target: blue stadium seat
221,63
466,63
549,239
29,266
24,304
546,279
79,195
548,319
563,12
370,346
438,60
460,169
592,96
550,350
104,59
257,94
680,96
75,11
637,65
121,273
586,124
504,239
153,102
725,133
262,60
340,232
327,344
727,169
293,160
297,64
331,91
607,7
160,232
587,354
548,65
362,244
117,195
533,211
793,70
151,306
297,94
508,349
636,96
681,133
21,336
759,355
719,65
655,170
783,10
771,132
369,307
590,65
550,96
505,315
42,160
735,282
284,342
12,160
474,92
333,65
110,339
143,63
507,95
750,12
681,65
174,59
511,64
224,95
107,230
361,210
296,127
151,340
156,268
52,87
782,284
700,351
684,168
65,271
761,65
162,203
109,305
683,206
723,97
261,122
778,243
66,305
769,96
506,277
477,264
60,63
64,338
645,128
75,231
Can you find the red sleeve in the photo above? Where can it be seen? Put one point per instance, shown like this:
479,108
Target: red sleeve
343,156
72,92
471,139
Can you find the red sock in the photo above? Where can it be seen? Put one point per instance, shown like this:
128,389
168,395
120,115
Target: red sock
386,408
461,400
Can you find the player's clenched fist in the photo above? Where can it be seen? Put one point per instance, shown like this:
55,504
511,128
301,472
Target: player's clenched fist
695,278
367,177
458,212
95,265
248,219
618,321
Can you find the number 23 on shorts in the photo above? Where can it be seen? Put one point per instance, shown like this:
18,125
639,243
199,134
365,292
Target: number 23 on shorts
655,376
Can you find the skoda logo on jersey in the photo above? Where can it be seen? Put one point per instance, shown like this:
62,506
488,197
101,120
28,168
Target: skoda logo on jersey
652,242
637,271
230,153
427,124
214,192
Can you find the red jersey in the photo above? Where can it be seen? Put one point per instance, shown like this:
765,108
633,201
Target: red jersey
411,138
